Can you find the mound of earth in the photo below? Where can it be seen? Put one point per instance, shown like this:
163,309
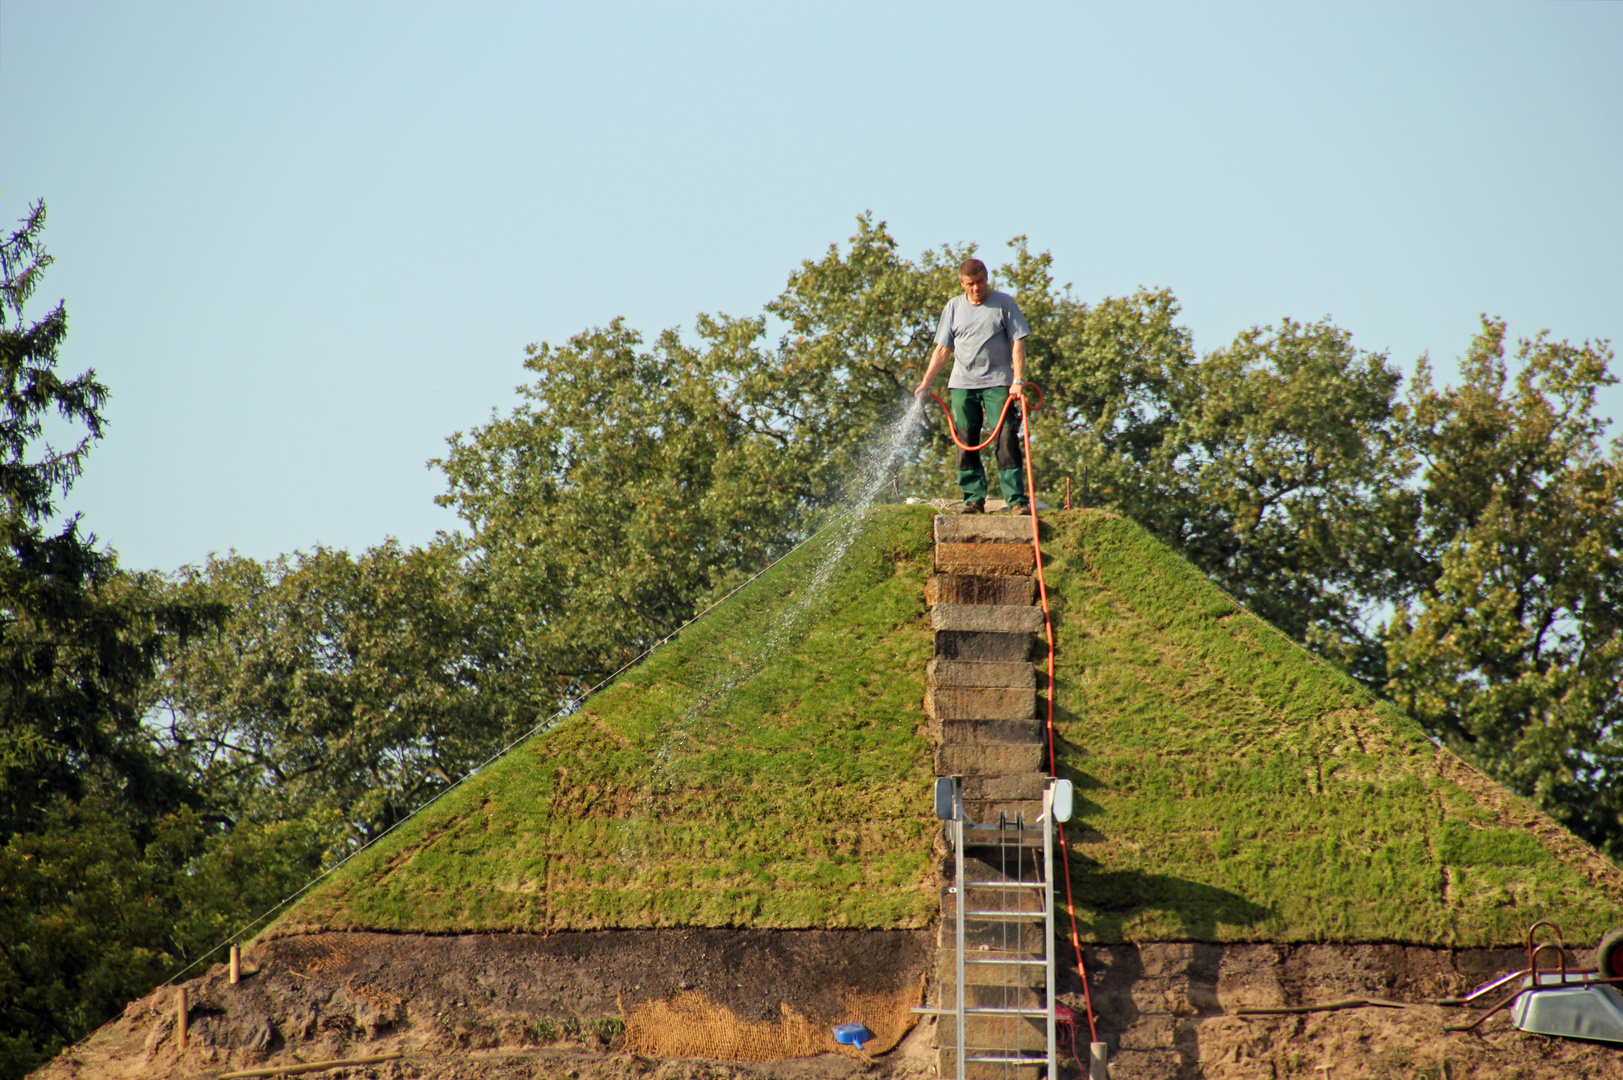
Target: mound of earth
604,1005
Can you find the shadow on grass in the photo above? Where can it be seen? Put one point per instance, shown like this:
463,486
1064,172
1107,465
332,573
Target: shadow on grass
1108,899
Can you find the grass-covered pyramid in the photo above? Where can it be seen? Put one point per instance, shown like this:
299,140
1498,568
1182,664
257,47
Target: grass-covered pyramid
771,767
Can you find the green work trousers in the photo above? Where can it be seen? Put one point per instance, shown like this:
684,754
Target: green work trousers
970,410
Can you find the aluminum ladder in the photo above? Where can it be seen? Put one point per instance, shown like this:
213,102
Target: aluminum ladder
1000,1028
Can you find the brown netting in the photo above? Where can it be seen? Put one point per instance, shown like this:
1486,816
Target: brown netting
323,954
690,1025
325,957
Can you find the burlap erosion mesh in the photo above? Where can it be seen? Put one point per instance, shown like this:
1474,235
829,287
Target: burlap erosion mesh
690,1025
325,957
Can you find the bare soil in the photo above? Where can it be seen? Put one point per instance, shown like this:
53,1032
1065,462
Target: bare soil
1167,1011
511,1006
500,1005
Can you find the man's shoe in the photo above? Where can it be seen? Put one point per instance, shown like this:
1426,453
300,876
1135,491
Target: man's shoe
975,507
1020,511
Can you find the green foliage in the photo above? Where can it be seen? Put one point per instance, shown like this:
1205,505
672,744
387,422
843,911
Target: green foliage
1510,644
630,485
74,647
98,909
341,691
109,878
1264,464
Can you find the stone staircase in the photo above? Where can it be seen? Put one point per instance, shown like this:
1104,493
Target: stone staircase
982,708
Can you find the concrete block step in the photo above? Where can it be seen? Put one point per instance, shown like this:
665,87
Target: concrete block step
1003,618
991,968
985,559
988,758
982,810
1014,788
994,1034
1010,897
948,703
978,589
944,672
984,645
997,872
981,529
1005,837
943,732
1026,997
1015,936
947,1067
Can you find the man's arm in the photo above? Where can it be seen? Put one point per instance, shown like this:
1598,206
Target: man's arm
1017,353
938,360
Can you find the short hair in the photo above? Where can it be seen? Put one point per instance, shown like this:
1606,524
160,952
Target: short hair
972,268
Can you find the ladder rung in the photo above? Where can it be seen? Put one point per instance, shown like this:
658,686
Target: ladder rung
981,1010
1006,1060
983,914
1008,830
1005,884
1011,960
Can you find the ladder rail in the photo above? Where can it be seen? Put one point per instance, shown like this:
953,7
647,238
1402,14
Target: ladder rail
1048,927
959,993
961,1011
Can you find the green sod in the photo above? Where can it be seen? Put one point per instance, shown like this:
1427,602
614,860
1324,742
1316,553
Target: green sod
1234,788
767,768
771,768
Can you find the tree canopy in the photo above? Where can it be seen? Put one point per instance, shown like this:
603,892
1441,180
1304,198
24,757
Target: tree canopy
104,860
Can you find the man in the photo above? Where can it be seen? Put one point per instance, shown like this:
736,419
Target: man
986,333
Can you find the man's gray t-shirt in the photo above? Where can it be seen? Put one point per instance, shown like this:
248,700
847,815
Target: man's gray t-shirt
981,337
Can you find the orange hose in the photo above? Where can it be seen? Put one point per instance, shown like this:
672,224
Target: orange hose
1048,630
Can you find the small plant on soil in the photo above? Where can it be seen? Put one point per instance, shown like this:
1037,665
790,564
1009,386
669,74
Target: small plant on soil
610,1031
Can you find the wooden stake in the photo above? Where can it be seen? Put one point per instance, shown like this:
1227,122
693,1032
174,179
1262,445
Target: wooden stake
312,1066
236,964
182,1014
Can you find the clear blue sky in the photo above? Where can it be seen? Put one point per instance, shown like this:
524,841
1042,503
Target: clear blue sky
305,242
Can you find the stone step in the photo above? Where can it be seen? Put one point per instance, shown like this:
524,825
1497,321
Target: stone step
988,758
1025,997
947,703
947,1067
988,810
981,529
1022,933
978,589
981,870
995,968
984,645
1023,898
994,1033
944,672
1025,786
1001,618
989,936
1027,729
985,559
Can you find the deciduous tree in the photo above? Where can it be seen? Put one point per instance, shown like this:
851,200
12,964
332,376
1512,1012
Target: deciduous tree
1508,645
